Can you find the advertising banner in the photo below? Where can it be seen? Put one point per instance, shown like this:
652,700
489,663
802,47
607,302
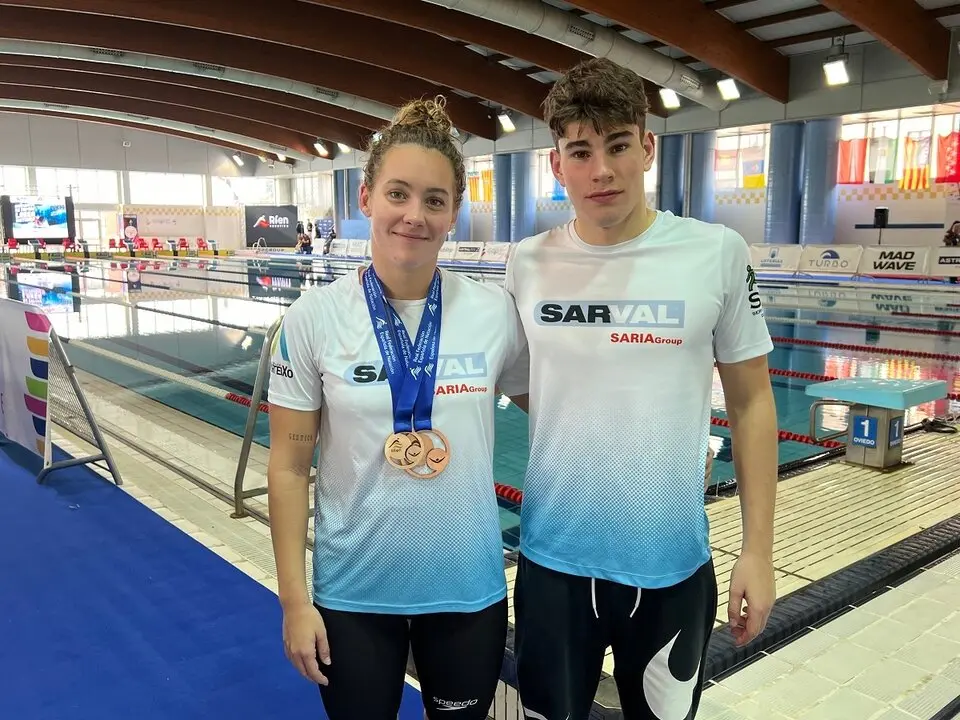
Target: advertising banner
897,261
269,284
834,259
338,248
39,217
496,252
775,258
272,225
24,371
469,252
165,222
447,251
944,262
130,229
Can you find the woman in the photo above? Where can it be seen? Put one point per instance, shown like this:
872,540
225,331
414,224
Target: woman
394,366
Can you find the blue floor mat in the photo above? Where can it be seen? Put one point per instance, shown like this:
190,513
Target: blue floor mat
112,612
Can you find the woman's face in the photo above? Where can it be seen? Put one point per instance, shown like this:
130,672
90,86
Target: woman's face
411,206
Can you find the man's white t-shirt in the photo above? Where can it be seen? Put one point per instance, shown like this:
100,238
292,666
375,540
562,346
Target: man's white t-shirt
387,542
622,342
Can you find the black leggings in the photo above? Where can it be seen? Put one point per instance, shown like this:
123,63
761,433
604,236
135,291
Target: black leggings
659,637
458,657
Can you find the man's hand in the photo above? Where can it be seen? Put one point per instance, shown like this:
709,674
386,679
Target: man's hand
752,582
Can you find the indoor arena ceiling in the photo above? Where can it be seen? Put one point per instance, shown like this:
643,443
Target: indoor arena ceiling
300,79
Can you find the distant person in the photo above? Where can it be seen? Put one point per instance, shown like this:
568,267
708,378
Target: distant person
304,244
329,241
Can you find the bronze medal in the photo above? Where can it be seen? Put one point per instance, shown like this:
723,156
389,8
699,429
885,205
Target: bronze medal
420,447
435,455
396,447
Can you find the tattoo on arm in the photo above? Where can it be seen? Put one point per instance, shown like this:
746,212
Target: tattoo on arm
298,437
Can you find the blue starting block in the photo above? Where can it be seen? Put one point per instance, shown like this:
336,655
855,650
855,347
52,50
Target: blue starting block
875,426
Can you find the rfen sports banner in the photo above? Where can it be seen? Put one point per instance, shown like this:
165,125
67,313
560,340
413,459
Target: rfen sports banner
270,225
24,373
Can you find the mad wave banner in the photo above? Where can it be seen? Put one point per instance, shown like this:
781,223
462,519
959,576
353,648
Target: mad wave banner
897,261
24,370
274,225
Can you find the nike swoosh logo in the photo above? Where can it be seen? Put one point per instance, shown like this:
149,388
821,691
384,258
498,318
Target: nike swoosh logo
668,697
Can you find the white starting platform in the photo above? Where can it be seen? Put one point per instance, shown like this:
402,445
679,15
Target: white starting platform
875,426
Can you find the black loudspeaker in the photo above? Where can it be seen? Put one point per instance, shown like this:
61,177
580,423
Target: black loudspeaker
881,216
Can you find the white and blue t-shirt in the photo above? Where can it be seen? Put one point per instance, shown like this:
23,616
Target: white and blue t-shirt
387,542
622,342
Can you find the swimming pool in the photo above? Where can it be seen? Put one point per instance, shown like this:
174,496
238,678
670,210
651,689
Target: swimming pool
191,321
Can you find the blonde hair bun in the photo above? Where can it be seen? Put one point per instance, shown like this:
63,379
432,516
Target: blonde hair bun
428,114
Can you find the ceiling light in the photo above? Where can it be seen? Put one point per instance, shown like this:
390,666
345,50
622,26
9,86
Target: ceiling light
344,148
728,89
321,149
671,100
835,70
237,159
506,123
281,157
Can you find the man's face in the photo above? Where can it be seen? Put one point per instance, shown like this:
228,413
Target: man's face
603,173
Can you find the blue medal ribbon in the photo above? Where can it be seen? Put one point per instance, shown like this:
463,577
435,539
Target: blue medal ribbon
411,367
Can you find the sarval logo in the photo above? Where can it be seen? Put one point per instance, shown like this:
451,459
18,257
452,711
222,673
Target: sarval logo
36,397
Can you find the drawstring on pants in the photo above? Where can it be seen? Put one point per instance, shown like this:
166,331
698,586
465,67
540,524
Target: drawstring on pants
637,604
593,596
593,599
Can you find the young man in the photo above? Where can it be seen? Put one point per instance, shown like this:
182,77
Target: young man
625,310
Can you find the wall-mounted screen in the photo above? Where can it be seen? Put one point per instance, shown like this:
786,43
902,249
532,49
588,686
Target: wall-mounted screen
37,217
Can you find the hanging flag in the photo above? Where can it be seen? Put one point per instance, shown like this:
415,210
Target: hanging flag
473,183
882,160
852,163
948,169
752,164
725,161
916,162
486,182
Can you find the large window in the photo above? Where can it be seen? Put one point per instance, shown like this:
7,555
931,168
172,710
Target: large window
243,191
741,158
913,148
147,188
313,192
13,179
480,178
85,186
91,228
